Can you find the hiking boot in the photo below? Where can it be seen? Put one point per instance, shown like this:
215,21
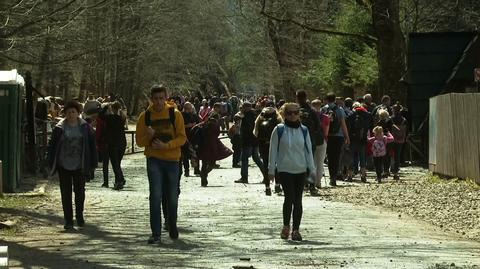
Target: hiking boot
245,181
173,233
296,236
68,226
204,182
333,182
268,192
105,185
363,179
187,173
117,187
80,222
216,166
153,240
379,179
278,188
396,177
313,191
285,232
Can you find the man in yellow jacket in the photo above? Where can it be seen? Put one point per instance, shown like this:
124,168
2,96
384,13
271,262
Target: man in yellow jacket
161,130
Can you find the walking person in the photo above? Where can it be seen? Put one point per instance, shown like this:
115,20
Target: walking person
161,130
291,156
379,143
116,142
188,152
399,132
249,142
321,142
211,149
72,152
264,125
337,136
236,140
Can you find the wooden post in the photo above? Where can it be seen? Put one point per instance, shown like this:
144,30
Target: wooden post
1,179
3,256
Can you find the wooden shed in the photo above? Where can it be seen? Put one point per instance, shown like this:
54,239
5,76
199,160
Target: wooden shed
454,141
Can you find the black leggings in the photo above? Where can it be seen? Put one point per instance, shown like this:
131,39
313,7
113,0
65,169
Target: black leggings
293,185
334,149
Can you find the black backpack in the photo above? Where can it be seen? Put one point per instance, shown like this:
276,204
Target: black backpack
265,129
332,112
309,118
359,124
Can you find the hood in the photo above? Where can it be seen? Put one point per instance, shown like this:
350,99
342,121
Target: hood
361,108
61,123
168,104
269,110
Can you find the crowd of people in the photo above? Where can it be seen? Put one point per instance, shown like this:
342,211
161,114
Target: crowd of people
289,142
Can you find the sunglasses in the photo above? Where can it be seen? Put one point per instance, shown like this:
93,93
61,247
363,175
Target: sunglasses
292,112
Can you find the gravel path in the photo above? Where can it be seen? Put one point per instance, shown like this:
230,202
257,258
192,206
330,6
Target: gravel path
229,225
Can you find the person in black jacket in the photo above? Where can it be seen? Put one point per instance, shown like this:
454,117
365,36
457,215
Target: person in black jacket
116,142
249,142
72,152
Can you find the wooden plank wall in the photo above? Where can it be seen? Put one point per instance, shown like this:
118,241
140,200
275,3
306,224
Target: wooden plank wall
457,144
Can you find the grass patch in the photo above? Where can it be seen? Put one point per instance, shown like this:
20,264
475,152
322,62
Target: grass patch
21,201
436,179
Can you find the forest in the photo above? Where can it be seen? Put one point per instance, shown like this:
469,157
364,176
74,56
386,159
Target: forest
241,47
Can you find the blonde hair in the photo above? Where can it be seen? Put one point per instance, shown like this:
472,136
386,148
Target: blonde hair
383,114
288,106
378,130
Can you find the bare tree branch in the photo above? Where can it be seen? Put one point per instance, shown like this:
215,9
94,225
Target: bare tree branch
364,37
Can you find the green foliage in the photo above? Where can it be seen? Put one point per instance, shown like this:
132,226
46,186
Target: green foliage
345,63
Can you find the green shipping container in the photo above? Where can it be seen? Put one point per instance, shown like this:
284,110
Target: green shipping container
11,91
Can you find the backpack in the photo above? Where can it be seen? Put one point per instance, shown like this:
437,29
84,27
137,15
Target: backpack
309,118
196,134
171,116
400,133
358,126
332,112
265,129
281,129
379,148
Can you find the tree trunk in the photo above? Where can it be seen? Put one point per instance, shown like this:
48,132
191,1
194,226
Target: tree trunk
390,48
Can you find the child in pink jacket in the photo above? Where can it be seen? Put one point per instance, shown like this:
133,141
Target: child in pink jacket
379,149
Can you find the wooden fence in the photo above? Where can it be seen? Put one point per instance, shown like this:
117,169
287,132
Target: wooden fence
454,135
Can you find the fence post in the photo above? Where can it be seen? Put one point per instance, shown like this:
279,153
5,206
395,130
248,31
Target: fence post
3,256
1,179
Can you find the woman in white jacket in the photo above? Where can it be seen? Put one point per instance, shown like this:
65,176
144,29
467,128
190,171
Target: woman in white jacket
291,158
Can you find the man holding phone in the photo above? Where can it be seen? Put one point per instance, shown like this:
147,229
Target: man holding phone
161,130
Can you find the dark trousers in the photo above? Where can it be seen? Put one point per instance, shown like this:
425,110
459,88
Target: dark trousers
397,150
237,153
67,180
293,185
113,155
207,167
379,163
186,157
264,152
334,150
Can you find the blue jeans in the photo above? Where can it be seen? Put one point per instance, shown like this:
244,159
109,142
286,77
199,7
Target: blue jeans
246,153
359,155
163,179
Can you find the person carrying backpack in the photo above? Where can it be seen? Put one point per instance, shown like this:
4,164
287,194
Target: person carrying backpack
291,157
399,132
379,149
161,130
309,118
321,142
264,125
359,122
337,136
